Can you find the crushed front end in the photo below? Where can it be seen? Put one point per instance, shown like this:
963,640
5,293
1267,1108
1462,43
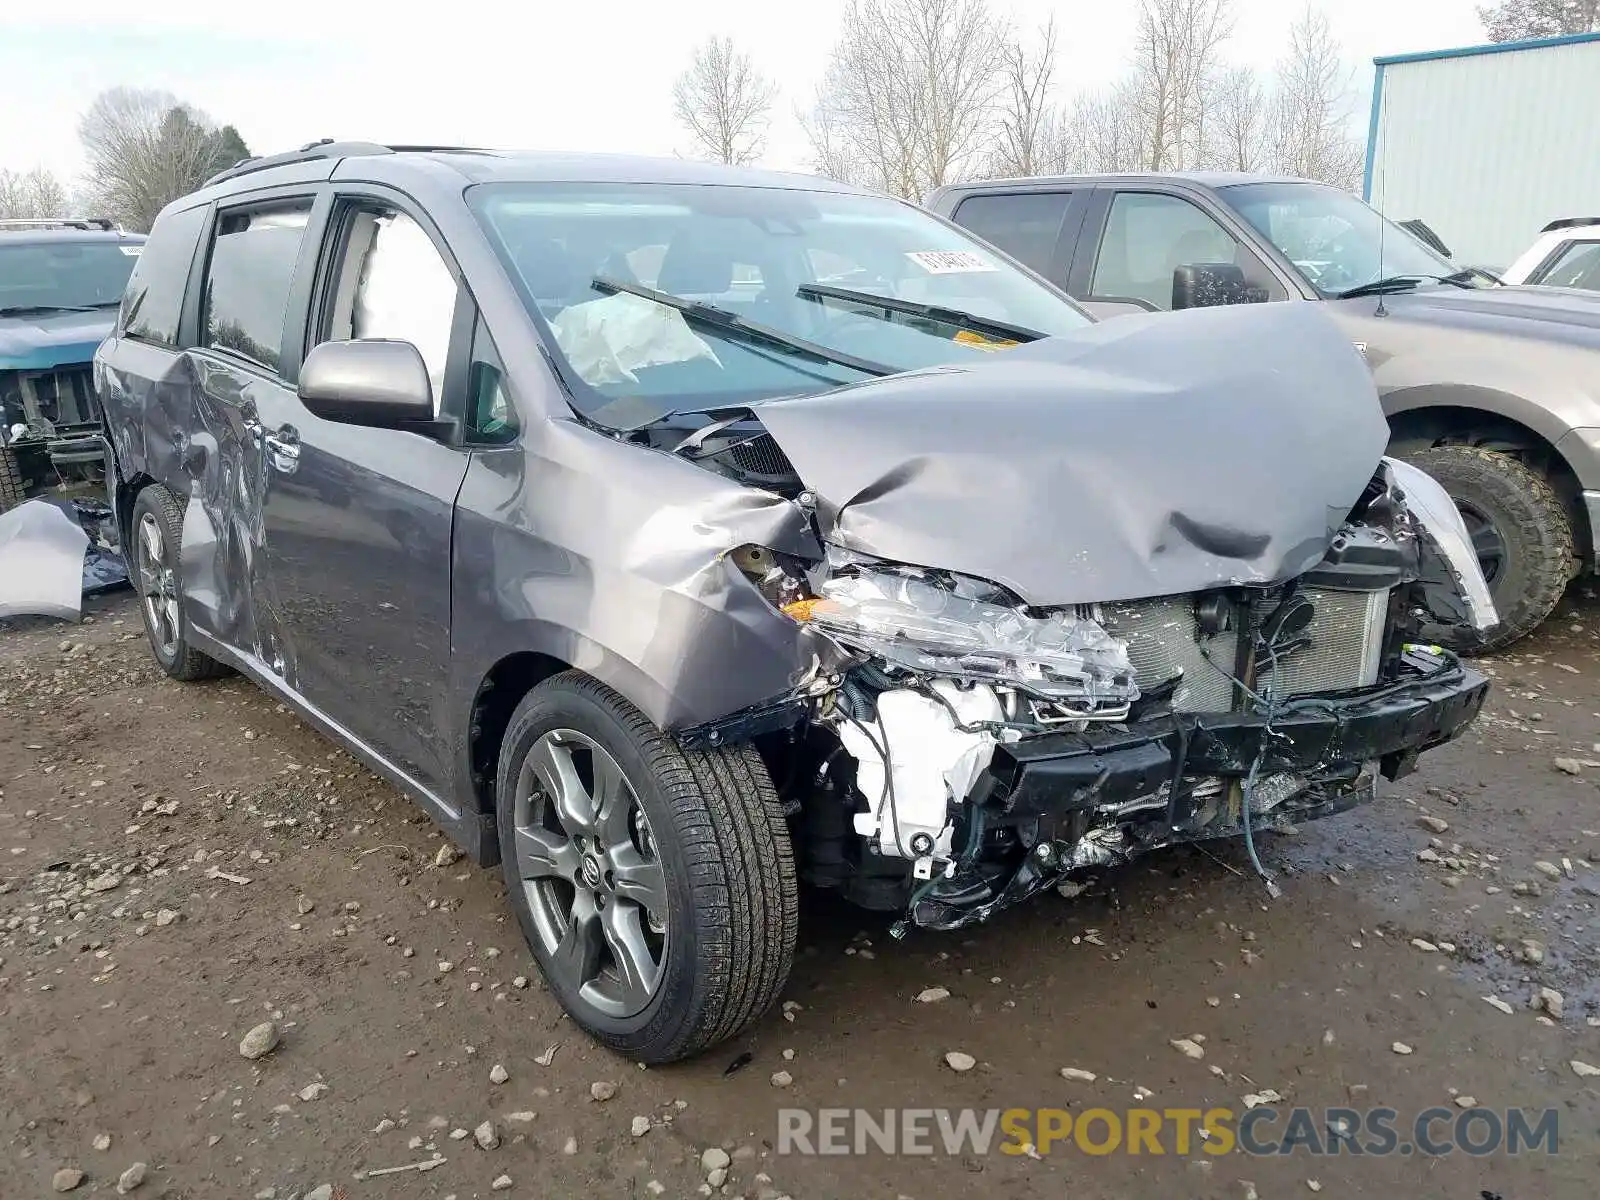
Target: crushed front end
975,750
50,425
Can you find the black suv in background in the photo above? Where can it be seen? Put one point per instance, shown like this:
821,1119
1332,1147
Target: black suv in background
1494,391
60,284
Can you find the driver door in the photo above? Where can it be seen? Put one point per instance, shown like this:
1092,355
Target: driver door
358,520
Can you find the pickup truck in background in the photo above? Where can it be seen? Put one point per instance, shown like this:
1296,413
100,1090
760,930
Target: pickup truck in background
1495,391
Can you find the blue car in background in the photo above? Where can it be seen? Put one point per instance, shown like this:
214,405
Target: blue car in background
60,284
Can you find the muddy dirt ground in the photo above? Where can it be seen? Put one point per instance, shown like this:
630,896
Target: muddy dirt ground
179,863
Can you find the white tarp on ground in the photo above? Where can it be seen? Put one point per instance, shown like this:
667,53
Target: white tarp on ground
41,562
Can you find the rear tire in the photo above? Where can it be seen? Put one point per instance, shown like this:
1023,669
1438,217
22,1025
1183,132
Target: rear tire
152,558
13,488
706,831
1520,528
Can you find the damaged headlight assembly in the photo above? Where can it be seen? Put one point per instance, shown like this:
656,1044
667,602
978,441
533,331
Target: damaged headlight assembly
947,667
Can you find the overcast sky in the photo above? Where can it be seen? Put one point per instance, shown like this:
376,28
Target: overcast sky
594,75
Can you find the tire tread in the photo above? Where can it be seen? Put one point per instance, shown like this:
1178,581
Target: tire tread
1540,528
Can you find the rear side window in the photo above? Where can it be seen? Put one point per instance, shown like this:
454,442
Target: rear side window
154,298
1025,225
252,263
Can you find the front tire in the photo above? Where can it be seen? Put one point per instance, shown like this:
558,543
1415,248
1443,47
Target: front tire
157,525
13,487
1520,529
655,886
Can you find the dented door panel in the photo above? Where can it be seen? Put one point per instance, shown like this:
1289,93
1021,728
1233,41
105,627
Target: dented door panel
186,420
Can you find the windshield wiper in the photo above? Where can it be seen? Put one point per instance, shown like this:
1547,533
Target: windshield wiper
31,310
720,319
1390,284
932,312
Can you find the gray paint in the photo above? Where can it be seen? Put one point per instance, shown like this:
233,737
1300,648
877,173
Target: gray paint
1120,462
374,578
1526,354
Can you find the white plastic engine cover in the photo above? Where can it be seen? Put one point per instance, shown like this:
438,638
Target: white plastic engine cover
934,764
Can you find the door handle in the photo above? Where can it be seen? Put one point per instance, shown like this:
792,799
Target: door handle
283,450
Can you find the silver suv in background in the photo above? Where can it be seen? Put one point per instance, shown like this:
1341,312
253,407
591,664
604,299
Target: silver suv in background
1495,391
675,534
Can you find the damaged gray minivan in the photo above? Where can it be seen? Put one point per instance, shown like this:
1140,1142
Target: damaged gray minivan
678,534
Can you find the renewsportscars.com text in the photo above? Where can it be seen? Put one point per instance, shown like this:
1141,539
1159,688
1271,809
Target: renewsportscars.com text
1265,1130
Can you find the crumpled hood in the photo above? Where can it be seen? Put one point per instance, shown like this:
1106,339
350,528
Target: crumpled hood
1140,457
1557,314
36,343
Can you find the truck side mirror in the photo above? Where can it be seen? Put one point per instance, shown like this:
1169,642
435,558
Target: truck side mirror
1205,285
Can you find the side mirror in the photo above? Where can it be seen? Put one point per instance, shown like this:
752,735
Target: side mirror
1205,285
367,383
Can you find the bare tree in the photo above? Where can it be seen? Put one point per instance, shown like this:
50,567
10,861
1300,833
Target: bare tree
1174,56
1514,20
1237,121
724,102
1100,133
1027,120
31,195
1312,107
908,98
146,148
831,156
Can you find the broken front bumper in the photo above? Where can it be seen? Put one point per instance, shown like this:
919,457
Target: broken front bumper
1092,799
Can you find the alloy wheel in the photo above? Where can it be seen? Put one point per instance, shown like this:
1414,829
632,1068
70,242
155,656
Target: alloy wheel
588,864
158,585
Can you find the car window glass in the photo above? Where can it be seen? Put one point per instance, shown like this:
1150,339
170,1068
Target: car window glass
1026,225
1577,267
64,272
761,255
1149,236
490,415
252,265
1333,239
392,283
153,301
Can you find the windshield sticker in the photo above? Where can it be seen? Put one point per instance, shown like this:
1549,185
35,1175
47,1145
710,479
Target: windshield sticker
131,251
950,262
977,341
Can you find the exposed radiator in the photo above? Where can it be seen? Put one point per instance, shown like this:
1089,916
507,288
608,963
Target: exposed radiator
1346,644
1164,644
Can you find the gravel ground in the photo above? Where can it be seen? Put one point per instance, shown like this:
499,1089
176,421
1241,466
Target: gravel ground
182,863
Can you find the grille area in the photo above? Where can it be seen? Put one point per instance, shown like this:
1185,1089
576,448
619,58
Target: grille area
43,400
760,456
1164,643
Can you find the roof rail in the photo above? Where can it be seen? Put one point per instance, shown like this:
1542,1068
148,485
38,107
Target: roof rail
442,149
105,223
1569,223
310,152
